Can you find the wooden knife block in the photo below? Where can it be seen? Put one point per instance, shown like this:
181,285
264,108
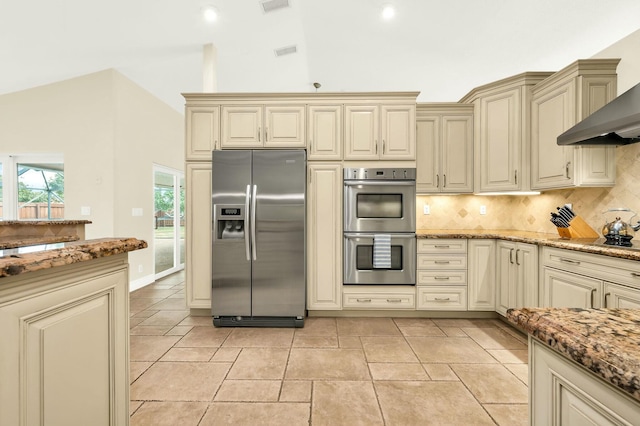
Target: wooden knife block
578,228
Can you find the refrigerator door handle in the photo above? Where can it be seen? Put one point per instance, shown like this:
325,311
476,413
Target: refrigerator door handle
253,222
246,233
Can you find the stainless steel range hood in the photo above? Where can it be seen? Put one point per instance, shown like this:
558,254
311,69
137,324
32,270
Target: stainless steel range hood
616,123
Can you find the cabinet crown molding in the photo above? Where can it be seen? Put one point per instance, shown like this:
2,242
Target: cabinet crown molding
581,67
526,78
300,96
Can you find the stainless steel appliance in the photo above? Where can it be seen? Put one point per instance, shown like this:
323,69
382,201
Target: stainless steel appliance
379,226
258,241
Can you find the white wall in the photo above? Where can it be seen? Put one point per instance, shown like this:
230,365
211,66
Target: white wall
110,132
628,49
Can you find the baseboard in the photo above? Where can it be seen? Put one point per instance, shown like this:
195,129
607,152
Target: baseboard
141,282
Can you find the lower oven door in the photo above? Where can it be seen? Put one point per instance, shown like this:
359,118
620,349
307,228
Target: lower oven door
358,260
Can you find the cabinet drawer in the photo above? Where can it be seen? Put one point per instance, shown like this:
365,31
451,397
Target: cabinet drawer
442,298
453,261
442,246
442,277
378,300
598,266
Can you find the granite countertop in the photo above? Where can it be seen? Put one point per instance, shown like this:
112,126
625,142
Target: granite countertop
605,341
43,222
588,245
21,260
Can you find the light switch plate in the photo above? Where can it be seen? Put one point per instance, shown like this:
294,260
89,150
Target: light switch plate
85,211
136,211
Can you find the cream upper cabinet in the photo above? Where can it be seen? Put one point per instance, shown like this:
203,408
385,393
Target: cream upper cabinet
202,132
559,102
257,126
324,132
380,132
444,146
324,236
501,147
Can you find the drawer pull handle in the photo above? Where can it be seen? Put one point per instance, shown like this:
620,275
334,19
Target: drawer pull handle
441,278
635,274
442,299
441,262
606,296
593,291
442,246
572,262
394,300
363,300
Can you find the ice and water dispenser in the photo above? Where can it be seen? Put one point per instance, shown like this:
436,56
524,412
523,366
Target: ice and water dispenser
229,221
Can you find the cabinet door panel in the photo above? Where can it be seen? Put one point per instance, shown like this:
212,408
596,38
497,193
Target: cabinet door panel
398,132
198,236
361,132
506,277
500,141
324,241
457,154
284,126
621,297
481,275
203,132
242,126
428,154
325,132
565,290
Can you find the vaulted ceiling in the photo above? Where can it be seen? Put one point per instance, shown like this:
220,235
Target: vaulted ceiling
441,48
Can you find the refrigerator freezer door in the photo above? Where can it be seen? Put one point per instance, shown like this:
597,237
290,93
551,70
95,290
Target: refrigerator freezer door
231,270
278,273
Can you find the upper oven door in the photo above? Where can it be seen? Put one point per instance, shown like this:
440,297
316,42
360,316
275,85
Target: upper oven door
379,206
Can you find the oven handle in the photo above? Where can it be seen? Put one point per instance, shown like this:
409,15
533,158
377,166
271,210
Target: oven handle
380,182
371,235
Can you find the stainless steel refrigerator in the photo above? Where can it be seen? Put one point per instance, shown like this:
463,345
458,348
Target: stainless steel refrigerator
258,241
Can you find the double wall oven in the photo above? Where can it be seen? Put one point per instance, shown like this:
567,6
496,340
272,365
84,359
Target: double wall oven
379,226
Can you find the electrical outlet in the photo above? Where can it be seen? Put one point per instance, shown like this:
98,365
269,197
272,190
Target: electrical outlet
426,209
136,211
140,268
483,209
85,211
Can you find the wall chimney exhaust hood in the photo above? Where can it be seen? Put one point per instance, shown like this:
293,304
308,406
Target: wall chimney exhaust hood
616,123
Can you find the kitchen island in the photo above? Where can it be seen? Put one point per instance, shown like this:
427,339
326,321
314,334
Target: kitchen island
64,322
583,364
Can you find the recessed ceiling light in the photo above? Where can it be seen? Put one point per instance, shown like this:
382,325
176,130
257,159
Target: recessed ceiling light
388,12
209,13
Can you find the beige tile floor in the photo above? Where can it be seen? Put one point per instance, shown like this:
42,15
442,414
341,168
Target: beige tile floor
334,371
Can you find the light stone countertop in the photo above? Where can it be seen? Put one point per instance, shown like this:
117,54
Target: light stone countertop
22,260
604,341
587,245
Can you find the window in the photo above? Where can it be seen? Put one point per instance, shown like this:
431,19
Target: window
32,187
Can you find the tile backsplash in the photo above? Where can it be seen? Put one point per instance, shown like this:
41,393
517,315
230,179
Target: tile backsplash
531,213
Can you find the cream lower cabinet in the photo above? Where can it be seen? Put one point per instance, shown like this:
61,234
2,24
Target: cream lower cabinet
444,146
516,275
442,274
585,280
198,235
563,393
65,345
378,297
324,236
481,273
560,101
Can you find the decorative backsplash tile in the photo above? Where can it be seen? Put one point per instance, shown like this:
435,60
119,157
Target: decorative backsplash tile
531,213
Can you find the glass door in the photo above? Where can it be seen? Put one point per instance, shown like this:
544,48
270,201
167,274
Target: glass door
169,220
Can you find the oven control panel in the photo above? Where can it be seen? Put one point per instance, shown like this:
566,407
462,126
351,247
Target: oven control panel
404,173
